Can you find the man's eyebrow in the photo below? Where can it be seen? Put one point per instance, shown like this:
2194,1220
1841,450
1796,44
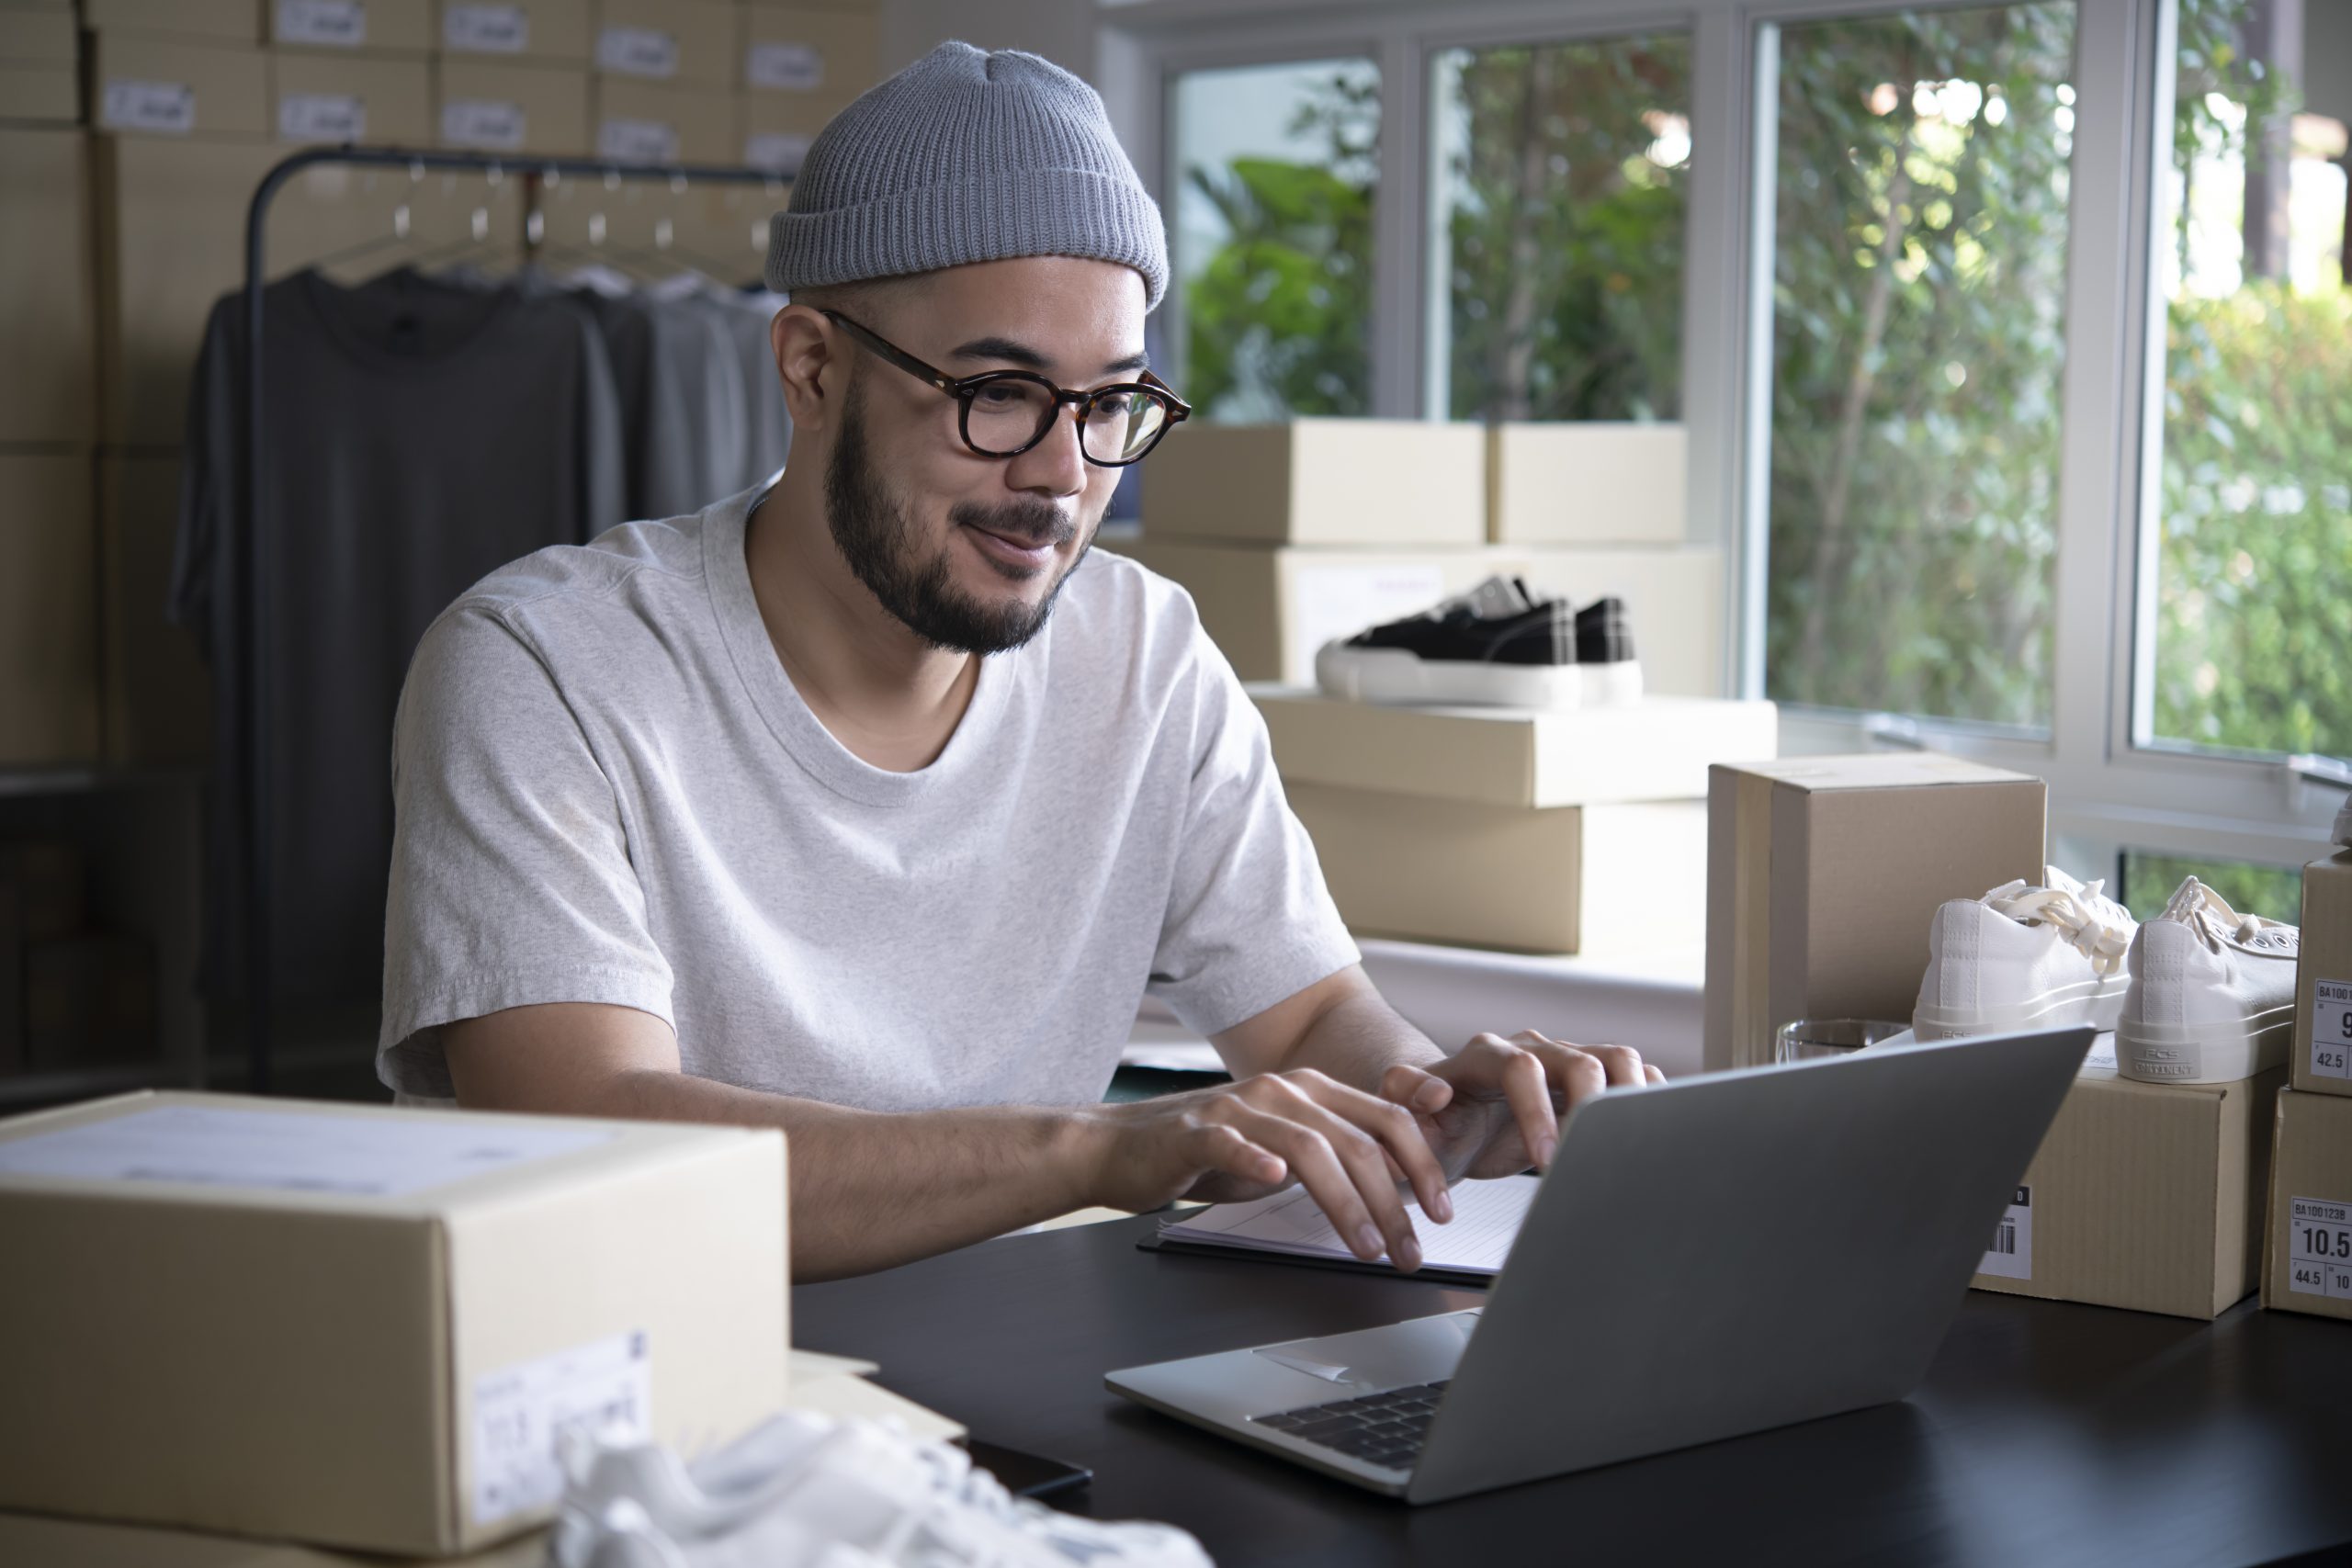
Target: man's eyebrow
1021,354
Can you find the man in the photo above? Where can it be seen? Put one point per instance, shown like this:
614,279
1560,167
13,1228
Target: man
866,807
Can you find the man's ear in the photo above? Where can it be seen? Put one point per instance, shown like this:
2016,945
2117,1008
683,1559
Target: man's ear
812,359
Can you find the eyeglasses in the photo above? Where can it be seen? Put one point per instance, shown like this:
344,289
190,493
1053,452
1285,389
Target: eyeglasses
1005,412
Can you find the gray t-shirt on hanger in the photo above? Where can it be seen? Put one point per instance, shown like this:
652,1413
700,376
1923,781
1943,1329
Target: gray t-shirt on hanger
609,791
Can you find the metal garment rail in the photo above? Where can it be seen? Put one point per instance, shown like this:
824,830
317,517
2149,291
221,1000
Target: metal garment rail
253,561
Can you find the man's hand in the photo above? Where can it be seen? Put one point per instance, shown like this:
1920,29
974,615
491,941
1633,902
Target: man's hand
1494,1108
1244,1140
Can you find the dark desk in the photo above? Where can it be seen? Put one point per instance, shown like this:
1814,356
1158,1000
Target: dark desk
2045,1433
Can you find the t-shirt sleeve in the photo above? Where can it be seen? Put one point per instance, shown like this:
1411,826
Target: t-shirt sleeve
1249,921
511,878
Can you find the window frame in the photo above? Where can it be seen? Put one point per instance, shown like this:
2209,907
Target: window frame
2111,786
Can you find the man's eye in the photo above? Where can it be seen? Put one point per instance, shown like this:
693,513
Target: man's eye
1118,405
998,396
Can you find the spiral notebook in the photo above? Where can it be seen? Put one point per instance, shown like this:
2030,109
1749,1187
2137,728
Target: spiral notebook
1486,1217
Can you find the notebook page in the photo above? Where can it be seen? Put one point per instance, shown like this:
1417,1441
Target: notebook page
1486,1215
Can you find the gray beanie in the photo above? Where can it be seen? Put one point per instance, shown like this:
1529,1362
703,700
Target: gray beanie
966,156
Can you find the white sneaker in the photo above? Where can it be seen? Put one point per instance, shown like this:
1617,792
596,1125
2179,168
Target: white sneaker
2212,995
806,1491
2342,834
2024,957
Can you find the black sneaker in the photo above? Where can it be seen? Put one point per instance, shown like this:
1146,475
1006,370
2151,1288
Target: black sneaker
1498,644
1605,654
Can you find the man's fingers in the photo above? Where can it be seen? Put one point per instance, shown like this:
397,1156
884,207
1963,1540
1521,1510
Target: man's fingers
1220,1146
1622,1063
1528,1092
1651,1075
1367,1162
1393,1127
1318,1168
1414,1090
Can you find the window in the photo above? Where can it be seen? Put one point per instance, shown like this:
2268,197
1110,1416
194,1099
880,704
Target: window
1920,191
1275,169
2249,531
1560,173
2276,893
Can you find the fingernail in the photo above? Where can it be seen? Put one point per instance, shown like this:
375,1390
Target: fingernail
1408,1253
1429,1096
1544,1155
1443,1209
1368,1241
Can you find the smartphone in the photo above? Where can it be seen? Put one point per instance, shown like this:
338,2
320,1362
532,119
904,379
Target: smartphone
1026,1476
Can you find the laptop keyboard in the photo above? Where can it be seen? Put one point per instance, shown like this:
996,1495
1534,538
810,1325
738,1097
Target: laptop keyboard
1384,1429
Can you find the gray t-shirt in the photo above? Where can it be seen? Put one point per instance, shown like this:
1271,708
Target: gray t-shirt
609,790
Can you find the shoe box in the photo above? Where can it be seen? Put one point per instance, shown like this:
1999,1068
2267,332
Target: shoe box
2143,1196
403,27
491,104
157,685
817,54
39,65
1674,605
359,1325
668,41
49,634
1359,483
1580,831
2307,1262
642,121
320,96
1823,873
554,31
2321,1062
1602,482
34,1538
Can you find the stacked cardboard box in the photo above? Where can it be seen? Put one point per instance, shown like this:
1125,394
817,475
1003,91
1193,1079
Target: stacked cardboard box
1580,831
2307,1262
797,66
40,77
72,994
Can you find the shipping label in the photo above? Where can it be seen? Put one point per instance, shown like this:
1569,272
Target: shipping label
2011,1255
638,141
323,117
329,24
606,1385
637,51
777,149
486,29
496,125
2319,1258
789,67
166,107
2331,1028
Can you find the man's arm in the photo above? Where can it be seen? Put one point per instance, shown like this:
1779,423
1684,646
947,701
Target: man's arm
870,1189
1489,1109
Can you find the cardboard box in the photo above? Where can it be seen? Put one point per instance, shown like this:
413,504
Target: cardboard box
792,49
1364,482
2321,1059
47,884
158,689
351,97
1512,877
527,29
1658,750
773,129
2307,1257
1269,610
668,41
39,93
360,1325
1601,483
1823,874
12,989
49,632
86,1543
89,1002
154,86
48,393
375,27
512,109
654,123
2145,1196
1674,600
227,21
38,38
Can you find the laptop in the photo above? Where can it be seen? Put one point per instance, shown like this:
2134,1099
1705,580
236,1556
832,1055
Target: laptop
1704,1258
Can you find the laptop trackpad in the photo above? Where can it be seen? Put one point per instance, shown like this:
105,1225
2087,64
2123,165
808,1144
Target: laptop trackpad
1395,1355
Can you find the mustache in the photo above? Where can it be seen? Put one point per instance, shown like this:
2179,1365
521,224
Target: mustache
1034,524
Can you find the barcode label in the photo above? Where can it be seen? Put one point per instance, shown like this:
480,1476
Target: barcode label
2010,1257
168,107
519,1410
486,29
2319,1257
637,51
2331,1028
789,67
323,117
493,124
638,141
777,149
333,24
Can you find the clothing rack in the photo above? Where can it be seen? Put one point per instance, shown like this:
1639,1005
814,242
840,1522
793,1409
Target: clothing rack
253,602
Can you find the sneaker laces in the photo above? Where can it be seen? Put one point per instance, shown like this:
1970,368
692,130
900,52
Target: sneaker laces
2209,914
2081,917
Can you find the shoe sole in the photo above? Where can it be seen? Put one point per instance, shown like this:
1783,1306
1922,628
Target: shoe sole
2218,1051
1395,675
2097,1004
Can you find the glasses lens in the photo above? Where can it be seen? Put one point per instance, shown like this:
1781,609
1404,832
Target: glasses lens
1008,415
1123,424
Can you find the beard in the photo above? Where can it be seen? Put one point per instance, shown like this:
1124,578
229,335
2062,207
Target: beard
884,547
